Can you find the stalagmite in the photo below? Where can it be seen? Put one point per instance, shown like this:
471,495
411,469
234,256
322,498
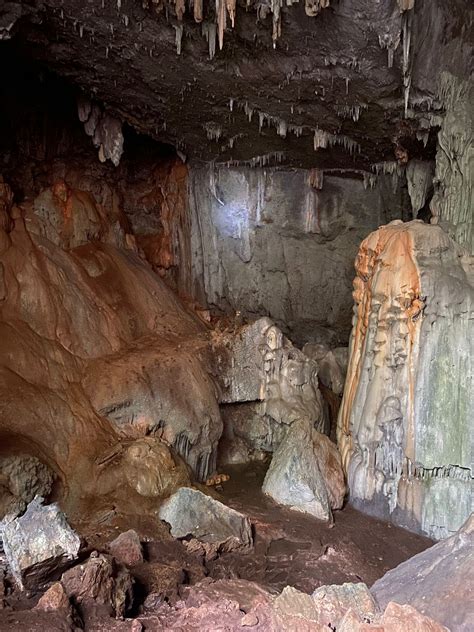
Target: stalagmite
403,428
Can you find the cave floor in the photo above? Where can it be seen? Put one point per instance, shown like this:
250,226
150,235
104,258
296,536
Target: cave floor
291,548
295,549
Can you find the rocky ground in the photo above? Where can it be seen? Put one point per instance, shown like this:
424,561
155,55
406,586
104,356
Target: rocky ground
272,569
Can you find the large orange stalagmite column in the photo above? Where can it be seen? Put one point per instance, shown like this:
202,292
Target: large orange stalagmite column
402,373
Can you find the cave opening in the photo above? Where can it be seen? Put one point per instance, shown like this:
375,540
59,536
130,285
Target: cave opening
236,307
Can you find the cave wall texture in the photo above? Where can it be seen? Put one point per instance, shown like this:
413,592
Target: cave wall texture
282,243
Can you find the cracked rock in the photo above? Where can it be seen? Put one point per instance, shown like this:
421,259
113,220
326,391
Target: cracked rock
39,544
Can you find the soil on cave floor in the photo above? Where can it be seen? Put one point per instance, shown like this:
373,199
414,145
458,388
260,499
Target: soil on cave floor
295,549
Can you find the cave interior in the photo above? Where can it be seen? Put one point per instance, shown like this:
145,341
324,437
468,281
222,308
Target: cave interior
236,315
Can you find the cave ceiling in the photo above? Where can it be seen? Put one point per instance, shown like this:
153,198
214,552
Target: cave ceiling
327,90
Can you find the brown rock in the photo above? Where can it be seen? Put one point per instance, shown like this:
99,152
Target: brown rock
438,582
159,579
101,581
333,602
55,598
127,548
398,618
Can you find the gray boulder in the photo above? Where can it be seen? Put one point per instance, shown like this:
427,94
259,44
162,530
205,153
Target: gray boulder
438,582
189,512
39,544
305,473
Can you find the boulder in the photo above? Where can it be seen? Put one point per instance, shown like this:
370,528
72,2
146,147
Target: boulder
26,477
294,604
100,582
127,548
55,598
305,473
438,582
332,603
258,363
39,544
189,512
398,618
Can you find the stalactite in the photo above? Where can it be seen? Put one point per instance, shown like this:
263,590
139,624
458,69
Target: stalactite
370,180
297,130
282,128
320,139
213,131
392,168
230,4
221,14
391,43
180,8
276,20
209,30
419,180
351,111
197,10
406,5
248,112
179,37
407,20
313,7
258,161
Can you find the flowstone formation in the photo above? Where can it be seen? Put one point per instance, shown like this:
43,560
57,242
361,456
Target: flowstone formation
78,299
404,425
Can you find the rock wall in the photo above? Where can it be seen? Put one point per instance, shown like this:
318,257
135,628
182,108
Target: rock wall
404,427
281,243
88,332
453,203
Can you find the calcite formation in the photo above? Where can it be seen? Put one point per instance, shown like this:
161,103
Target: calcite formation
404,425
